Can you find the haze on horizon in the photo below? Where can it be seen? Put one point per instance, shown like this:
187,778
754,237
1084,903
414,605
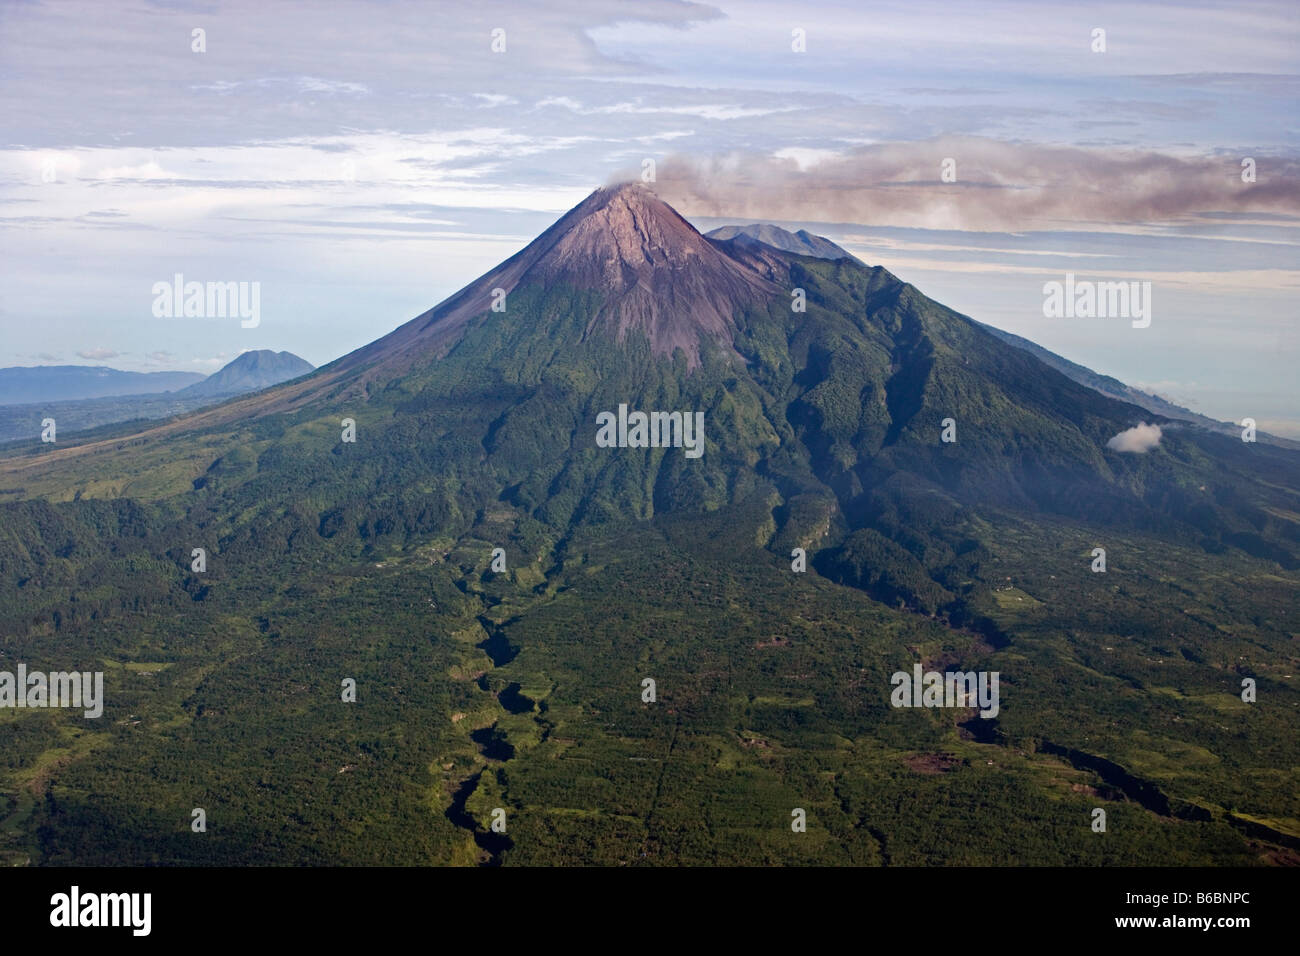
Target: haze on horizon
365,161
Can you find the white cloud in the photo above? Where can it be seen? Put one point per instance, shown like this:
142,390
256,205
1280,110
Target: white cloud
98,355
806,157
1140,439
708,111
314,84
566,101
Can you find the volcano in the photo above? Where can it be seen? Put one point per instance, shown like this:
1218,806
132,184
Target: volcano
877,483
844,390
656,276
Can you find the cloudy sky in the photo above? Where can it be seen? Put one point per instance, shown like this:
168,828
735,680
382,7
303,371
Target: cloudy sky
363,160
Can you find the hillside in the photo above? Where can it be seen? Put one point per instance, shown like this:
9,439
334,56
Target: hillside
1109,385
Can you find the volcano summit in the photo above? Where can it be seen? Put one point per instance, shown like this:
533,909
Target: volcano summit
656,275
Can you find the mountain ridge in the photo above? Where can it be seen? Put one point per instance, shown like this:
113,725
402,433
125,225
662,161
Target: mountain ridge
801,242
30,384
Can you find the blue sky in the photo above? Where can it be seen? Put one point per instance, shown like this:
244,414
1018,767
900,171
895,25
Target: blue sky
361,161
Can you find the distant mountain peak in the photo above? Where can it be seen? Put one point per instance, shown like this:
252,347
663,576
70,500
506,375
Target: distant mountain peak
802,243
250,371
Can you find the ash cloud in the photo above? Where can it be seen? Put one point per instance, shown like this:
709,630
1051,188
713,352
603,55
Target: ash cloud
999,186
